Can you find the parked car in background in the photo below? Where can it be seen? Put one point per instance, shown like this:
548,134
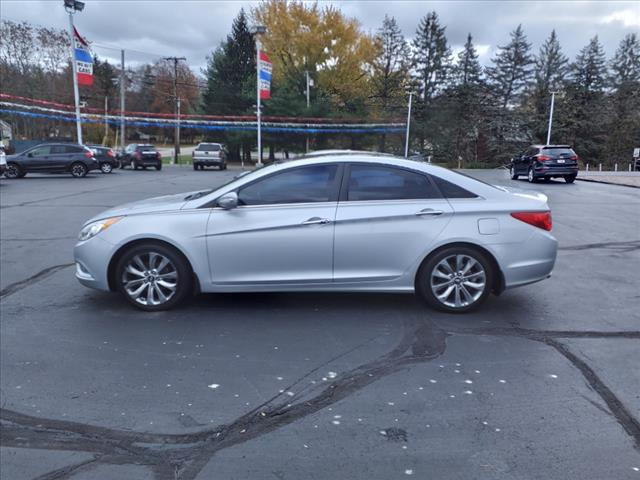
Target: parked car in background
209,155
339,222
106,158
75,159
138,155
544,162
3,161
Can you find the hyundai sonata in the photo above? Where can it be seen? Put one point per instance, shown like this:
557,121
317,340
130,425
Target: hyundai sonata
332,222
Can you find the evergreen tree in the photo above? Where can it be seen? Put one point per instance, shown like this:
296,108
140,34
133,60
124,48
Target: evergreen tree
624,116
625,65
468,71
511,70
390,70
551,68
432,56
589,71
231,81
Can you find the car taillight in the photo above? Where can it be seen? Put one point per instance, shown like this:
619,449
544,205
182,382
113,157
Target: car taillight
575,157
537,219
543,158
88,153
110,153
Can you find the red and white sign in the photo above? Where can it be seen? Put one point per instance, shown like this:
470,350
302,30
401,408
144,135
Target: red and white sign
264,68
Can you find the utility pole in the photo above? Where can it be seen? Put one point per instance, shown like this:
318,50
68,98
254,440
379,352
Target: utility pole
176,99
123,89
553,96
258,107
306,72
73,6
106,122
406,142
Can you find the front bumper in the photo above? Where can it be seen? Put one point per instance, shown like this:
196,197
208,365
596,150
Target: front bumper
92,262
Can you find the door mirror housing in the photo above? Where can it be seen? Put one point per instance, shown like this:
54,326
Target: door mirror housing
228,201
30,154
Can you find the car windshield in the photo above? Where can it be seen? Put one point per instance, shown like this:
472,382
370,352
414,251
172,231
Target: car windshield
208,147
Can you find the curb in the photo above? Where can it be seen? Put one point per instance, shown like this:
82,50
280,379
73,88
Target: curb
607,183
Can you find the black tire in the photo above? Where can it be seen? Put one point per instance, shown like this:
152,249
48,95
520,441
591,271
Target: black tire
106,167
512,172
570,178
14,171
183,277
78,170
135,165
159,166
546,179
425,290
531,176
195,166
224,167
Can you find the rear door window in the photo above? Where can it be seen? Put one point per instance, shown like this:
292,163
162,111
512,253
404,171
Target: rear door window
377,182
40,151
451,190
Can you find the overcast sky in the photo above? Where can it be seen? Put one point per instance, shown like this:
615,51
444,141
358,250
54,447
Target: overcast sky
194,28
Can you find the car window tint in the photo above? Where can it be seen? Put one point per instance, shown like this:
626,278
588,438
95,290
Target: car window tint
451,190
57,149
372,182
300,185
558,151
72,149
209,147
40,151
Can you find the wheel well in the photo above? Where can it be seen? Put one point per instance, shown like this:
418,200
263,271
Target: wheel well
498,282
111,271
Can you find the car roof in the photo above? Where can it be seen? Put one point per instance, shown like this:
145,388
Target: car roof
551,146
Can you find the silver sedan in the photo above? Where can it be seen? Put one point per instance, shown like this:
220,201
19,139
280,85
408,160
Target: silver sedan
336,222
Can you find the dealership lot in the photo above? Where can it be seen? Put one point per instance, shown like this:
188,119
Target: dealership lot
542,382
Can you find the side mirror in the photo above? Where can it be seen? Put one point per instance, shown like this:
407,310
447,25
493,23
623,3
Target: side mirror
228,201
30,154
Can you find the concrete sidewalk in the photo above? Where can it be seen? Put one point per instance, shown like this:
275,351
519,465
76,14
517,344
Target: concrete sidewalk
628,179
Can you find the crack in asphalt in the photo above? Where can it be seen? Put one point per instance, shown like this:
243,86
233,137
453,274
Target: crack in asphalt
183,456
627,246
41,275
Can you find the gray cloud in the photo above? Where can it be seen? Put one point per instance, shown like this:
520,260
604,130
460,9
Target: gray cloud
194,28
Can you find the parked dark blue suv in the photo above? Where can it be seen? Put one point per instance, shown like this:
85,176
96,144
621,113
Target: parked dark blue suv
544,162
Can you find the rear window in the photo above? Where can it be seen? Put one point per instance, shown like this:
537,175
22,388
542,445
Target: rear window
558,151
451,190
209,147
146,148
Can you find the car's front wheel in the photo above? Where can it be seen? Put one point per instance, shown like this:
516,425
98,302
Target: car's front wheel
14,171
79,170
153,277
105,167
457,279
159,166
512,172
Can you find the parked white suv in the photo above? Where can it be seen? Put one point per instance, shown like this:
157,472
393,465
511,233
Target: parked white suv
3,160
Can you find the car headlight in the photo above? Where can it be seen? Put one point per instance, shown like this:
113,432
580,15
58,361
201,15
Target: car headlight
95,228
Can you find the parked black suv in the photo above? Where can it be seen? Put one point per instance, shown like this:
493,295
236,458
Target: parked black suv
76,159
544,162
139,155
105,157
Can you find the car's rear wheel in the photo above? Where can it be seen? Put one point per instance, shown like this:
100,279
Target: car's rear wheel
570,178
14,171
105,167
512,172
159,166
457,279
79,170
530,175
195,166
153,277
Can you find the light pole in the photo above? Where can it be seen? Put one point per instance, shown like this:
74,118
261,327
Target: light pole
73,6
258,30
553,97
406,141
176,99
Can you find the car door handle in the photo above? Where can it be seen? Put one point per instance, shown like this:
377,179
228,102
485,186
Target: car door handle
429,211
316,221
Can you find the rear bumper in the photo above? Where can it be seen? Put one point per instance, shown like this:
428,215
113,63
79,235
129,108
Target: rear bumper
208,161
529,262
555,171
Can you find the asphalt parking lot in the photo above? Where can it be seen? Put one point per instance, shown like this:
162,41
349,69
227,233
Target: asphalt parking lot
543,382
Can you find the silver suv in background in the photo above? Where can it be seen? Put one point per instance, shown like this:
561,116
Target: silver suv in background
209,155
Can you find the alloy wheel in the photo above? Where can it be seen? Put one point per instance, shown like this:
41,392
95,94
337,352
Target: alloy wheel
106,168
150,279
78,170
13,171
458,281
530,176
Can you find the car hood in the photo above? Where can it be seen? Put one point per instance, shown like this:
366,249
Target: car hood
164,203
523,193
